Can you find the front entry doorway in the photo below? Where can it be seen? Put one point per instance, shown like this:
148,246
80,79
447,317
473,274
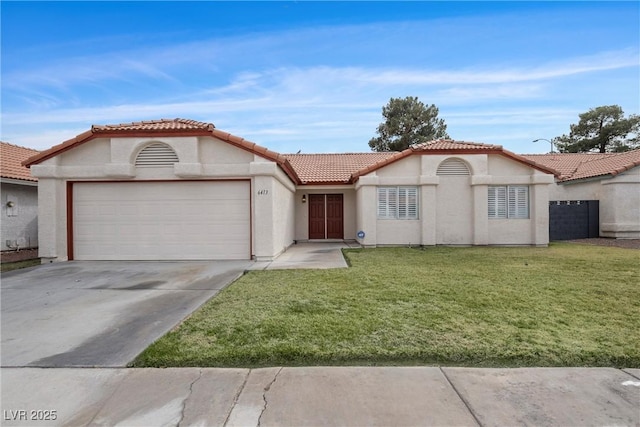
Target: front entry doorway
326,219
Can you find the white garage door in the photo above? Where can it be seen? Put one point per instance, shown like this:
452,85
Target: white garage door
161,220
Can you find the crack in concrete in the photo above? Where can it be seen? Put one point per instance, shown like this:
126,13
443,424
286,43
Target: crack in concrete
236,397
184,402
630,374
264,395
461,398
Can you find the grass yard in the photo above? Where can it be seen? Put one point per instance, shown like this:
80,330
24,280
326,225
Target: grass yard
10,266
566,305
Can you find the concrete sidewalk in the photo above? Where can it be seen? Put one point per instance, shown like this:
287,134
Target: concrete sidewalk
307,255
319,396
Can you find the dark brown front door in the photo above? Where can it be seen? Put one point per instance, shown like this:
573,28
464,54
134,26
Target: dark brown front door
316,216
326,219
334,216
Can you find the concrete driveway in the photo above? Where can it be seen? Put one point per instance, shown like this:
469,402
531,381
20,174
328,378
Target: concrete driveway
84,313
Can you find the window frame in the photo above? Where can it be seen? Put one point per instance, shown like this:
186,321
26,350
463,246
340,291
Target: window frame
399,203
508,202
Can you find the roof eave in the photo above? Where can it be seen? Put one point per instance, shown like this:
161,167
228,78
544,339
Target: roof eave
382,163
524,160
453,151
96,132
310,183
19,181
570,180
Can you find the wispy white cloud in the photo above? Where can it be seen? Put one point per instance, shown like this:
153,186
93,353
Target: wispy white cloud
308,86
344,88
603,61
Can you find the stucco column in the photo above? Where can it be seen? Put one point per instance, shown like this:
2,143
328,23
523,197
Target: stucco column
52,220
480,215
620,206
263,221
428,214
366,218
539,213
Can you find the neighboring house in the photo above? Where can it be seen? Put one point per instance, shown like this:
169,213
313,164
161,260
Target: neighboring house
611,180
19,199
182,189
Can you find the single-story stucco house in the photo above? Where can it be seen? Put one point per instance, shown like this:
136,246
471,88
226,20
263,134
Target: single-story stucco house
19,199
611,180
183,189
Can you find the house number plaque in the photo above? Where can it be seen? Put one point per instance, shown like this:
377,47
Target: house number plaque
263,192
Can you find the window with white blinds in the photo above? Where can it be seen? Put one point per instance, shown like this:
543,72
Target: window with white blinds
518,202
508,202
497,202
397,202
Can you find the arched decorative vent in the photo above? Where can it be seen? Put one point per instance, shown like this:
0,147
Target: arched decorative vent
156,155
453,167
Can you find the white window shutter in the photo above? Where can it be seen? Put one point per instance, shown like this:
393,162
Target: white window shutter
392,200
519,202
387,202
408,207
402,203
382,202
497,202
491,201
397,203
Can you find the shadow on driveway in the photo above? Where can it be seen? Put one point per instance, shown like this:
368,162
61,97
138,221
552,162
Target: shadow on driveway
85,313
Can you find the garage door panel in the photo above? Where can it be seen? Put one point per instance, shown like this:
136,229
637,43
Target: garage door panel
161,221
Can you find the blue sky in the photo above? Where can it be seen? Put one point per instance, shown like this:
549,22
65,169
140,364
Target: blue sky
313,76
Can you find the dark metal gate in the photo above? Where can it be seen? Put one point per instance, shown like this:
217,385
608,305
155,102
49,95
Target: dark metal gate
575,219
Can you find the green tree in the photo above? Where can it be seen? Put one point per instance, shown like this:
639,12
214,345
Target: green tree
602,129
407,121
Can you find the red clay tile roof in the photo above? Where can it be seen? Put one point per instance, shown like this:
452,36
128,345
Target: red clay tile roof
163,127
12,158
574,166
344,168
332,168
447,146
340,168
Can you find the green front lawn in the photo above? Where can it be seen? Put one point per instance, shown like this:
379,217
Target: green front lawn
10,266
566,305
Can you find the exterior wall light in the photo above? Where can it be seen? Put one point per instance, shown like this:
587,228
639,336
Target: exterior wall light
304,198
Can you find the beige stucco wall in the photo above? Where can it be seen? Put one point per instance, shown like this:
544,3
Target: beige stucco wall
199,158
576,190
397,232
620,206
453,209
19,222
275,216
